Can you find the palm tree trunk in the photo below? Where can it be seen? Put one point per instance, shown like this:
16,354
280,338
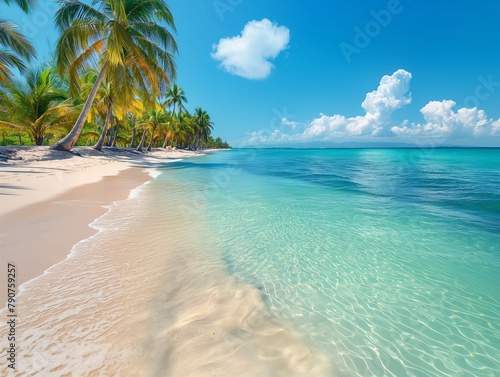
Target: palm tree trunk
134,134
116,136
100,142
151,139
143,139
70,139
111,136
38,137
20,139
165,142
195,141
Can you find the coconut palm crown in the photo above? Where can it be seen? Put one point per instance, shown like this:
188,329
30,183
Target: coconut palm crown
125,39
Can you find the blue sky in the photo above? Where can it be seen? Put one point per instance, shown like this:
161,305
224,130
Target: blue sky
404,71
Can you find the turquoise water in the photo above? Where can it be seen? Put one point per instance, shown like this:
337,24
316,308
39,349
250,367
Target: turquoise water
386,260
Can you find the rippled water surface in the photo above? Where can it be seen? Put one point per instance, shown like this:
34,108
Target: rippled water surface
386,260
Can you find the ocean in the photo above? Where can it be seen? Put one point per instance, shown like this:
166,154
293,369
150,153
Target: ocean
387,260
321,262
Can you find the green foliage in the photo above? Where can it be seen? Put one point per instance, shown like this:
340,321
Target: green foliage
127,36
37,105
113,59
216,144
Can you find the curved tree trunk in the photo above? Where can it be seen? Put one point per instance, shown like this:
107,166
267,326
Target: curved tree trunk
111,136
134,135
143,139
151,139
165,141
20,138
70,139
199,143
195,141
113,144
100,142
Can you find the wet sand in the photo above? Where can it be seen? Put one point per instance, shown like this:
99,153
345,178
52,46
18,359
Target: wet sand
40,235
143,291
48,199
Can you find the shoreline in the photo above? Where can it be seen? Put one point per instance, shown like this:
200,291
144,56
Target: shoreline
122,291
29,175
50,199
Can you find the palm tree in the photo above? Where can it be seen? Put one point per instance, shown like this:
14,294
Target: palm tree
143,137
125,37
175,96
103,106
167,128
38,105
204,126
185,128
155,119
134,132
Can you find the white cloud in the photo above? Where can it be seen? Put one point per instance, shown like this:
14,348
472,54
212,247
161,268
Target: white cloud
378,105
248,55
441,121
286,122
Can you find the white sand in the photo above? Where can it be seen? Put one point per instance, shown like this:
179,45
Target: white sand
35,174
126,302
49,198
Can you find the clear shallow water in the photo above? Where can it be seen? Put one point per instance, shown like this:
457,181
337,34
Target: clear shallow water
386,260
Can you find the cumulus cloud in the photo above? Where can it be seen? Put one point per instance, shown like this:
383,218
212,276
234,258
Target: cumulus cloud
290,123
378,105
441,121
249,55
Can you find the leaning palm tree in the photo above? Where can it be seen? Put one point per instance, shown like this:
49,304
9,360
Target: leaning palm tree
38,105
175,96
125,38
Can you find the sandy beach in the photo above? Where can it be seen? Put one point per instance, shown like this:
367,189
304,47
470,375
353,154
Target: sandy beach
49,198
124,302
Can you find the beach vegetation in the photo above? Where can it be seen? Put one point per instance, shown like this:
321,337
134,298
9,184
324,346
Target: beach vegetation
125,39
111,81
37,104
15,49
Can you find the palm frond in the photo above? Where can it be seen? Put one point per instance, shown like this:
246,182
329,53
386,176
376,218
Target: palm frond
8,61
73,10
12,38
74,41
148,10
25,5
